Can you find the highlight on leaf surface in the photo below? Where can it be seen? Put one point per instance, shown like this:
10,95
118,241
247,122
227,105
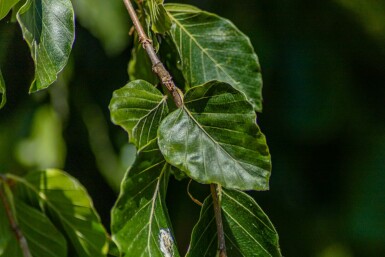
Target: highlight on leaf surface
49,29
214,138
213,48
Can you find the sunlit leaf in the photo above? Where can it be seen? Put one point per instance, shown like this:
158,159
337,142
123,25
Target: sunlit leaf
6,6
48,28
212,48
66,202
106,20
139,108
160,21
140,222
248,231
2,91
214,138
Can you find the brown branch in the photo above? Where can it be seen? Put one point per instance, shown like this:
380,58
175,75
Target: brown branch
191,196
218,220
157,65
19,235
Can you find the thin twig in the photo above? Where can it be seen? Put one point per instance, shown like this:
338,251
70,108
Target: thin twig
191,196
19,235
218,220
157,65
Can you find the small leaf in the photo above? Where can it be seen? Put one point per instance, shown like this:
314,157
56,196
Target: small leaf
48,28
248,231
214,138
2,91
140,222
212,48
160,21
67,203
6,6
139,108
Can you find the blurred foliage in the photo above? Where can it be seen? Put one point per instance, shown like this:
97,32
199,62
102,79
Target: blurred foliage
323,65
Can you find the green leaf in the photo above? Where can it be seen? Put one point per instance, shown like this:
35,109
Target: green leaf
160,21
48,28
140,222
6,6
212,48
2,91
248,231
139,108
214,138
106,20
42,238
66,202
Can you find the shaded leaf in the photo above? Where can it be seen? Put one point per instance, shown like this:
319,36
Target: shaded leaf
2,91
248,231
160,21
212,48
140,222
6,6
106,20
48,28
66,202
214,138
139,108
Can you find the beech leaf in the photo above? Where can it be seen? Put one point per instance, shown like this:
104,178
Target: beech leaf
139,108
48,28
54,194
214,138
248,231
140,222
6,6
160,21
212,48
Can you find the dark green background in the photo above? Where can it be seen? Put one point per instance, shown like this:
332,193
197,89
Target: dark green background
324,94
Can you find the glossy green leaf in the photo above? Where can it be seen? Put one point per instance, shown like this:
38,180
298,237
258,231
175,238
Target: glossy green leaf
66,202
106,20
48,28
2,91
212,48
160,21
6,6
248,231
214,138
140,222
139,108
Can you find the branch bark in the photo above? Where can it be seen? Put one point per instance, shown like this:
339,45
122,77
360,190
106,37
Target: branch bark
218,220
157,66
12,221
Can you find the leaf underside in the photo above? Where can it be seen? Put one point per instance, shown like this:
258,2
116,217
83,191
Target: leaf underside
48,28
139,108
214,138
160,21
212,48
140,224
248,231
